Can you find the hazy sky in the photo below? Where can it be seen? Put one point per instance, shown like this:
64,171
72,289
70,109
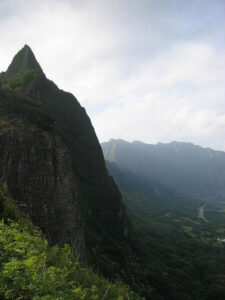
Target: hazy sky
149,70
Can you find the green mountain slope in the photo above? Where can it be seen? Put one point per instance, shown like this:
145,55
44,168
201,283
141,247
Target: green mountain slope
31,269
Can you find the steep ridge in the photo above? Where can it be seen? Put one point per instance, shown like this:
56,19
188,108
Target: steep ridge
54,168
24,60
99,198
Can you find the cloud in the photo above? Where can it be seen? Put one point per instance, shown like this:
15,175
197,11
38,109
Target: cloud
176,97
144,70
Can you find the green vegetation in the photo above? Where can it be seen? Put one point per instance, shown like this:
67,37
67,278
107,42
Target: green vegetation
31,269
182,257
7,209
21,80
15,107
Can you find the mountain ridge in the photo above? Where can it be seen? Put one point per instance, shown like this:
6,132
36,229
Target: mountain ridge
111,140
64,133
23,60
26,78
180,165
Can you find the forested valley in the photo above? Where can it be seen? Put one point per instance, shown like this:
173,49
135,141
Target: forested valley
182,233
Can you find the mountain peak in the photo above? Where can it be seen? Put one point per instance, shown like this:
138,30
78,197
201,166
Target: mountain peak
23,60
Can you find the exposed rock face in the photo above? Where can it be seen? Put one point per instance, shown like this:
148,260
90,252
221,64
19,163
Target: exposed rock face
100,200
36,168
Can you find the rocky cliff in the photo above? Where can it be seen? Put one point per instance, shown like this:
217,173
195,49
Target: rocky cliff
37,171
51,160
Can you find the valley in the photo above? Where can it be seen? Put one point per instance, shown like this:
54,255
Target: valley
181,230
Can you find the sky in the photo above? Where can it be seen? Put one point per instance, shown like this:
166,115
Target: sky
147,70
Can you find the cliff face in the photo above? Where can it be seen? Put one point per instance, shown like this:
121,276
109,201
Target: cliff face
36,170
100,199
52,161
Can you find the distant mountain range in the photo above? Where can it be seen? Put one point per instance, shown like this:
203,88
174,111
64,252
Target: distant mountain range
183,167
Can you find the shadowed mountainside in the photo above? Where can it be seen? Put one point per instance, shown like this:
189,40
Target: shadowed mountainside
27,95
182,166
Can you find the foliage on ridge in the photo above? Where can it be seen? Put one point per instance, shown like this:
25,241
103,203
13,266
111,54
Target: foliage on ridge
31,269
13,106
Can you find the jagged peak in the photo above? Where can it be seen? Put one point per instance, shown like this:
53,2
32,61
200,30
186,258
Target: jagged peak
23,60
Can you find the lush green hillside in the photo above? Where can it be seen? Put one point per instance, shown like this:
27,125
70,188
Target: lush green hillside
31,269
